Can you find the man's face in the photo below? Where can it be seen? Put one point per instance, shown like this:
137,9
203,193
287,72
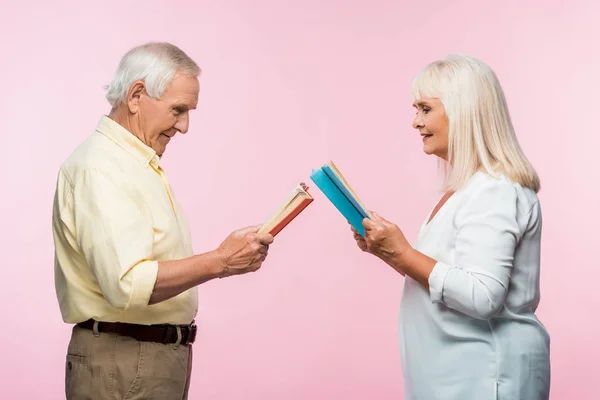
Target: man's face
158,120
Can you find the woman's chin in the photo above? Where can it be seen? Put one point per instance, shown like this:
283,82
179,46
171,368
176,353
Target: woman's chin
432,151
429,150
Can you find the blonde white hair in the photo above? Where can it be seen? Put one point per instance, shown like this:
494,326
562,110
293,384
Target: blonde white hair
481,136
155,63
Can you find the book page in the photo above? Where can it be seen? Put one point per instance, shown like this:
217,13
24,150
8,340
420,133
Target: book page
286,207
345,182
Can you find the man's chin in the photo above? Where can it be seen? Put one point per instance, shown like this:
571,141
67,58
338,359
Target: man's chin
160,150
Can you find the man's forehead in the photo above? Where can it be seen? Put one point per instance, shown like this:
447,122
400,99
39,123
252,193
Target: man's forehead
182,98
182,84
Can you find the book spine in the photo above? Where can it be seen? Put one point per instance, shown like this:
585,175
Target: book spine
338,199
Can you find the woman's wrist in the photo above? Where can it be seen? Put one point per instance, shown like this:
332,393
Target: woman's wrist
397,259
415,264
402,256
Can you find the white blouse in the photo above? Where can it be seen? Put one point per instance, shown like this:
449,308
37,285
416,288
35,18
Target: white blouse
474,334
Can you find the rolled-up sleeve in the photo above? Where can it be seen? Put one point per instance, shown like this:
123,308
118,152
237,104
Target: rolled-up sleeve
487,236
116,239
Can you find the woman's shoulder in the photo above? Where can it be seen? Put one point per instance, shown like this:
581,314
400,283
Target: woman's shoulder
499,190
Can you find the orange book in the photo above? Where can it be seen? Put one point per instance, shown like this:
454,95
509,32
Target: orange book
296,202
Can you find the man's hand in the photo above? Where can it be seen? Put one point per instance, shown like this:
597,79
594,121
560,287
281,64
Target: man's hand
244,251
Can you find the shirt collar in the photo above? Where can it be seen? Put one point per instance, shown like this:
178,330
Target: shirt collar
127,141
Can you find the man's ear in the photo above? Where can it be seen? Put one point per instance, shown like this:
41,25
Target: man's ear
134,95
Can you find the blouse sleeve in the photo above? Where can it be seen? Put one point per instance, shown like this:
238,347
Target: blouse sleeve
487,236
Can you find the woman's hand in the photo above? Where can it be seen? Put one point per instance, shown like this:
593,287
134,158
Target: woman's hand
384,240
360,241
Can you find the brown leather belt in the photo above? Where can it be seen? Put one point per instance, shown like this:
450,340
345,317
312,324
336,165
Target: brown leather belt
146,333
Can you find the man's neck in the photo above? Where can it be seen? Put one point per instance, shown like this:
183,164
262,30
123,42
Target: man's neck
125,119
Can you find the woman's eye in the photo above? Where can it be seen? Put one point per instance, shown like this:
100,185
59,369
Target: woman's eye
426,110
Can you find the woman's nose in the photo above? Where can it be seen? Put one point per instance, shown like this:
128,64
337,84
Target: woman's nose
417,122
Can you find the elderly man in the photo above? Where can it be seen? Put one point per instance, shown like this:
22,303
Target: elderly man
125,272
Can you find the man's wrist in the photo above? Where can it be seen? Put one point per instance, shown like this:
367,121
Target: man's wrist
220,267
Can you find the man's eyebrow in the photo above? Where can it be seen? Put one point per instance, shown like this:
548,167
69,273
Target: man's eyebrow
182,107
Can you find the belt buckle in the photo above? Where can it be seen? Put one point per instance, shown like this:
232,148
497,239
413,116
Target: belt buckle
191,333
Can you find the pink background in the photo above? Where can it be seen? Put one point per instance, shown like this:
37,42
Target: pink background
286,88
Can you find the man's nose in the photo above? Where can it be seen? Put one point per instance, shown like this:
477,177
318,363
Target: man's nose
183,124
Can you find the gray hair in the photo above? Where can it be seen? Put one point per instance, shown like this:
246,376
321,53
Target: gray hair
155,63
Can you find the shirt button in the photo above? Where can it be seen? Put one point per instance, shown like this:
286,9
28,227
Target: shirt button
70,365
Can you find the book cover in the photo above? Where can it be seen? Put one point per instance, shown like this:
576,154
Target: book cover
336,188
289,209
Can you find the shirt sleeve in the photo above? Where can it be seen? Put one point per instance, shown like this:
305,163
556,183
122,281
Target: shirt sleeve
487,236
116,239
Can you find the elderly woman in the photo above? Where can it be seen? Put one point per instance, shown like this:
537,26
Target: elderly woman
468,328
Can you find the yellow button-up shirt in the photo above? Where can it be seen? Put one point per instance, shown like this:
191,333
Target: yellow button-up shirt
114,218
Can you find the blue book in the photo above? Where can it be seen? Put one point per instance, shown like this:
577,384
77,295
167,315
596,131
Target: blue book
331,182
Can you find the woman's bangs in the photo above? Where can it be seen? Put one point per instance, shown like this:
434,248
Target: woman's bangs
427,84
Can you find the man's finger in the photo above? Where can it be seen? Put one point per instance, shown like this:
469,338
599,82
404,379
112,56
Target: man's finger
265,238
249,229
254,267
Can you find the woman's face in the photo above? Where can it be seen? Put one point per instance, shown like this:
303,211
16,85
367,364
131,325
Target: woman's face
432,123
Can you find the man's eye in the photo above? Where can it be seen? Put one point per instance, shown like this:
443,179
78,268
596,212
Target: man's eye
176,111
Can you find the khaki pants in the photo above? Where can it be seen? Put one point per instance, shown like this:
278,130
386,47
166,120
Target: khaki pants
118,367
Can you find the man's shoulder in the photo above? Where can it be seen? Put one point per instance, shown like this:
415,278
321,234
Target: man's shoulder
96,153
